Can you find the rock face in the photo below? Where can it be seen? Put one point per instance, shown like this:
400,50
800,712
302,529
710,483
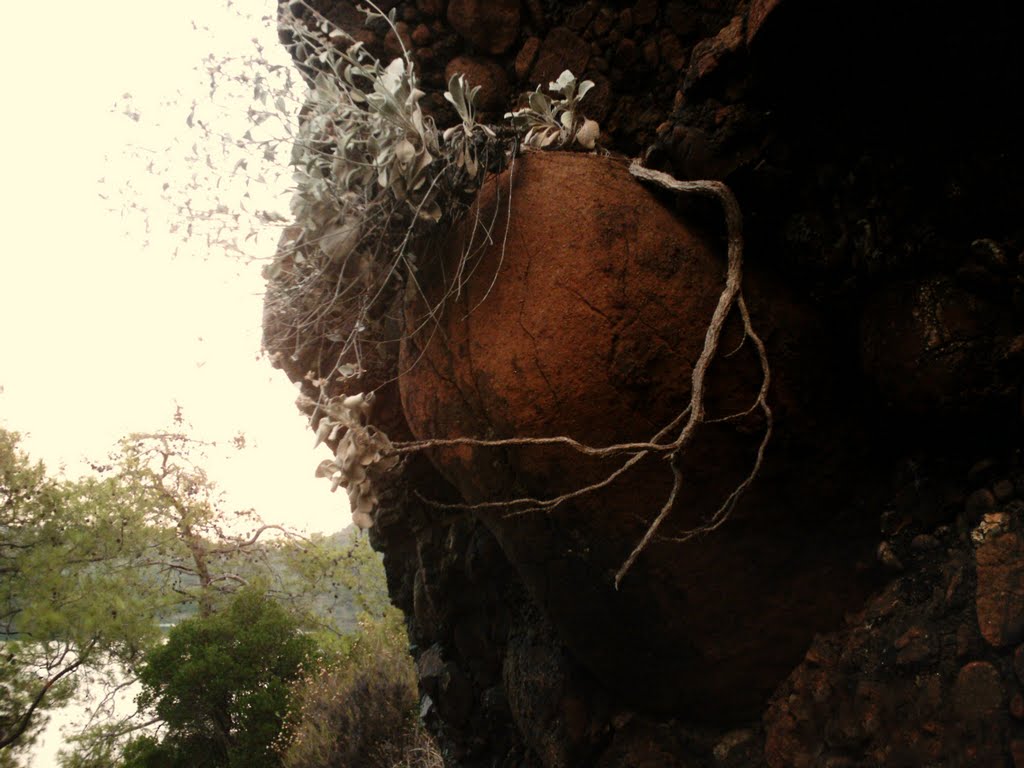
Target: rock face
885,259
925,673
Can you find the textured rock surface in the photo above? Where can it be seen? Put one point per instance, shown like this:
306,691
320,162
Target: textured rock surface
1000,594
934,346
912,680
490,25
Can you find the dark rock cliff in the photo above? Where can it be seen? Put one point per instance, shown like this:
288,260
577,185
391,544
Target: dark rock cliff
865,604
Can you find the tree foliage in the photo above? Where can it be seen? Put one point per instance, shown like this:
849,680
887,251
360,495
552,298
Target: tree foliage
220,685
70,597
200,549
90,569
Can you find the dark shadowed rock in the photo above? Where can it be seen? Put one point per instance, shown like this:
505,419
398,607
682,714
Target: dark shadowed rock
526,56
490,25
1003,490
760,11
488,74
710,55
645,12
429,668
933,346
978,691
907,682
561,716
1000,597
454,695
562,49
430,7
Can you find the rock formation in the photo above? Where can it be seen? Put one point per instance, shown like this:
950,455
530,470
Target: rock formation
585,321
865,603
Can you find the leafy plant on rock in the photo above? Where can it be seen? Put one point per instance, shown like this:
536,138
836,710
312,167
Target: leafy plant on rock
371,174
557,123
464,137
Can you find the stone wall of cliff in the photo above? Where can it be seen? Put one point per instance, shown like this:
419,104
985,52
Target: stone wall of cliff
865,604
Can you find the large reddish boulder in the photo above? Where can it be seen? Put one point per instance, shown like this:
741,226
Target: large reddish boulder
581,312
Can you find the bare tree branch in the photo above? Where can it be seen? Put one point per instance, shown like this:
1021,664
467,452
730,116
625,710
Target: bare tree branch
8,739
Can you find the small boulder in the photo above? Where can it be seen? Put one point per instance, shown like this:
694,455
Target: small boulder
978,691
491,26
1000,590
562,49
488,74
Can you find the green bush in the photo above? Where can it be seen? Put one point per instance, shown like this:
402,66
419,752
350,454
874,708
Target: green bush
360,708
221,687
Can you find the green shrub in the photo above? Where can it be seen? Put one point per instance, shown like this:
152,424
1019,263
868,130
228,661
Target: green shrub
221,686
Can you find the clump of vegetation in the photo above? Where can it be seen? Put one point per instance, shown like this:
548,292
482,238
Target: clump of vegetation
557,123
372,175
375,177
360,708
362,453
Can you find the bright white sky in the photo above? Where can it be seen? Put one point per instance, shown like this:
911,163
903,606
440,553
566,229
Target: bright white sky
101,334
